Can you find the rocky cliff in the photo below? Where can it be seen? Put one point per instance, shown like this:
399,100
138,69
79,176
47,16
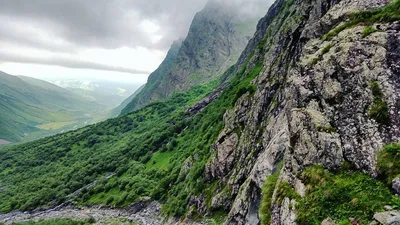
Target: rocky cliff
304,129
328,93
217,36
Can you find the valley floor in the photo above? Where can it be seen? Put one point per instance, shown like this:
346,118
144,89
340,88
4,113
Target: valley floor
149,215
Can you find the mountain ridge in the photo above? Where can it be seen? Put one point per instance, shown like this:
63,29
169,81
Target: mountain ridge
303,129
212,45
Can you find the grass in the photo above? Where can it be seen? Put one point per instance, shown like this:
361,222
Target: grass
159,160
389,163
326,129
387,13
379,110
368,30
266,199
342,195
325,50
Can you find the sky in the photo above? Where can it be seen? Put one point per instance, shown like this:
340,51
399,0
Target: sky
93,39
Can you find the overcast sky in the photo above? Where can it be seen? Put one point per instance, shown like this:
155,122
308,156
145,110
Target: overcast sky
82,39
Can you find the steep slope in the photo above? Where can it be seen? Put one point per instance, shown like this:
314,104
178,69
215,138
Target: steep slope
155,79
28,102
214,42
324,97
300,132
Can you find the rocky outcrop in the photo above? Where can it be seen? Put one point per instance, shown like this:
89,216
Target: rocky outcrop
312,104
388,218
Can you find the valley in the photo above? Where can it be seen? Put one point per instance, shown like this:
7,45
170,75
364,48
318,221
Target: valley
296,124
32,108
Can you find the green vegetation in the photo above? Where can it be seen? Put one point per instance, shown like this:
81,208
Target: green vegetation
57,222
379,109
342,195
49,170
387,13
145,151
325,50
326,129
266,200
389,163
28,105
284,189
368,30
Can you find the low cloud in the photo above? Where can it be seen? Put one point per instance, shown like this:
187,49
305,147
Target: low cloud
67,63
72,26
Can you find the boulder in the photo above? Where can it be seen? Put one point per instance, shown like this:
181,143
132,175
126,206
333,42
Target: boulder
388,218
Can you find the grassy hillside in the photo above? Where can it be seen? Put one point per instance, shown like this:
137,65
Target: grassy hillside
30,108
144,150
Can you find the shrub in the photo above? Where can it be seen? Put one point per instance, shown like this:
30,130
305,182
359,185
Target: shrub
379,110
266,199
389,163
342,195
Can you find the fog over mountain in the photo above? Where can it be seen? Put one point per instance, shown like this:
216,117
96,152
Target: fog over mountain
68,37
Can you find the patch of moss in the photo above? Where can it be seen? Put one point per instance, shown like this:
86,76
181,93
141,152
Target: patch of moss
266,199
387,13
389,162
341,195
379,110
325,50
326,129
368,30
284,189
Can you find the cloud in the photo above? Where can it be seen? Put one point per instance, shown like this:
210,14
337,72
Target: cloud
73,26
66,62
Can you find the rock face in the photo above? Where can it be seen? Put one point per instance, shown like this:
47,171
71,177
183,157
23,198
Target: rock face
214,42
388,218
311,105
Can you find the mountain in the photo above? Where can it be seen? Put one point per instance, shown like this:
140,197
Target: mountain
108,93
28,105
216,37
303,130
117,111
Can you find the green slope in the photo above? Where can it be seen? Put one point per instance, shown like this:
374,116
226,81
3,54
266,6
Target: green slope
145,149
26,103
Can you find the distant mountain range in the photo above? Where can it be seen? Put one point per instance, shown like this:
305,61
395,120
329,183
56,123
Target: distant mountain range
104,92
31,108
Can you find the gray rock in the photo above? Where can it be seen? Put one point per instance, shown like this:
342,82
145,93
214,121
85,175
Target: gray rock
387,208
388,218
328,221
396,185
